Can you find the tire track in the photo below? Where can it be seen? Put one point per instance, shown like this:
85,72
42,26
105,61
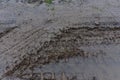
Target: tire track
67,39
21,45
70,39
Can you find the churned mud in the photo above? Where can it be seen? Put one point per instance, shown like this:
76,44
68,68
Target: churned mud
60,40
65,45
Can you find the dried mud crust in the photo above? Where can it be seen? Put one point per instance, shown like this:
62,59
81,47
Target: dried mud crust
66,44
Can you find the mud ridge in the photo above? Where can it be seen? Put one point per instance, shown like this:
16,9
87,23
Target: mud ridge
8,30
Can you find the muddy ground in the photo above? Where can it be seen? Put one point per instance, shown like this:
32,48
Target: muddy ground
69,43
77,39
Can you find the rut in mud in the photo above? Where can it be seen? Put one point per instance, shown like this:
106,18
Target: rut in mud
64,45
